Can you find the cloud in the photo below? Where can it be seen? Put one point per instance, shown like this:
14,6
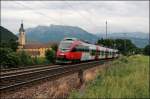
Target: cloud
122,16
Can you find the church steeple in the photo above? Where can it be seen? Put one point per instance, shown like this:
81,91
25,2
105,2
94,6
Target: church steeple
21,35
21,27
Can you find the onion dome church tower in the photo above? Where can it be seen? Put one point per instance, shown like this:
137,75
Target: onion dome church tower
21,40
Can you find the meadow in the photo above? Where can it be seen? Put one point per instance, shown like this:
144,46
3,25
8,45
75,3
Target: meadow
126,77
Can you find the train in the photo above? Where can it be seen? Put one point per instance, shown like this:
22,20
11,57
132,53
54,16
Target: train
73,50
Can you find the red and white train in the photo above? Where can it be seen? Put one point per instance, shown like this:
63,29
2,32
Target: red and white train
72,50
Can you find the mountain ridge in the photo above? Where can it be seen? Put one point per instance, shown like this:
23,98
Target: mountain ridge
55,33
58,32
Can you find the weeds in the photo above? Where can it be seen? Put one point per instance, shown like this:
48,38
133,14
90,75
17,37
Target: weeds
127,77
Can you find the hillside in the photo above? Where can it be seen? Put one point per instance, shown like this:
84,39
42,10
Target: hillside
127,77
56,33
6,35
138,38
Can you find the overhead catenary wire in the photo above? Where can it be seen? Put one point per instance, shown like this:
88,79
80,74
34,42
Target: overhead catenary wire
81,14
37,12
88,20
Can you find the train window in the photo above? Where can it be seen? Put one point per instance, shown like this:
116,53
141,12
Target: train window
101,53
81,48
98,52
64,45
86,49
74,50
92,52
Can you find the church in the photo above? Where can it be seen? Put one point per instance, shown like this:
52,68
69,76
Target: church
35,49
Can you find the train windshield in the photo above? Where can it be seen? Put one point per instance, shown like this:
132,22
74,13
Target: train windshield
64,46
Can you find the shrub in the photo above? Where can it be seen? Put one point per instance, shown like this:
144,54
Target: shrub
54,47
50,55
8,58
25,58
147,50
39,60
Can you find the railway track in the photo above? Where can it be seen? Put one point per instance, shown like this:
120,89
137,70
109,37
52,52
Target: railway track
20,71
3,71
15,79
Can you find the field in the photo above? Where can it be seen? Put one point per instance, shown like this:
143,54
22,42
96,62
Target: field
127,77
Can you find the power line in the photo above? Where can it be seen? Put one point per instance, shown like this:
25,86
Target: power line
84,17
33,10
52,19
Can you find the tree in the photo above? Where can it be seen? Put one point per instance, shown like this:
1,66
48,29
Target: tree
50,55
8,58
13,44
24,58
147,50
125,46
9,44
54,47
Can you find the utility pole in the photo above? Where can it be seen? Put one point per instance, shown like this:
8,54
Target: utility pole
106,38
125,43
106,29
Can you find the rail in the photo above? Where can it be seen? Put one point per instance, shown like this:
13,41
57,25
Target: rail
10,81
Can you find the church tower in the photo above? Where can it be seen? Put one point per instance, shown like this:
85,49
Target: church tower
21,40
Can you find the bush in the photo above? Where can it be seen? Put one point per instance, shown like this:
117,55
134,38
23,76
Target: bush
39,60
24,58
8,58
50,55
54,47
11,59
147,50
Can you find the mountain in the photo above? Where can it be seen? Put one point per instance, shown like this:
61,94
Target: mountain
6,35
55,33
138,38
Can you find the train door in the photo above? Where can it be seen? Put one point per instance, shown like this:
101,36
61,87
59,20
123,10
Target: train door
97,53
106,53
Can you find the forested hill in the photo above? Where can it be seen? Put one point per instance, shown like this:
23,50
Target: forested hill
6,35
138,38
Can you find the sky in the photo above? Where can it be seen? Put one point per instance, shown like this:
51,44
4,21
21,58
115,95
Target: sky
121,16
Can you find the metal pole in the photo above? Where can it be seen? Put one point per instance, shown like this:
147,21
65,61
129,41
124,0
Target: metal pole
106,39
106,29
125,43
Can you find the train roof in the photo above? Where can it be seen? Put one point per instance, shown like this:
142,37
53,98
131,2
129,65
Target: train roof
92,46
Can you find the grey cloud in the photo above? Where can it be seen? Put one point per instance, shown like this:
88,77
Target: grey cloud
89,15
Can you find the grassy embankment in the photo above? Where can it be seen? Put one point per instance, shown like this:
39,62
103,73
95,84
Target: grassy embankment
127,77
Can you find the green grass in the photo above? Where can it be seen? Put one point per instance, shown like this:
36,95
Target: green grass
127,77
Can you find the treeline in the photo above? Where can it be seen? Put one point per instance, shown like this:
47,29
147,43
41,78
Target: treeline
125,46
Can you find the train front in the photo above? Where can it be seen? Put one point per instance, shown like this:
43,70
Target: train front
63,52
